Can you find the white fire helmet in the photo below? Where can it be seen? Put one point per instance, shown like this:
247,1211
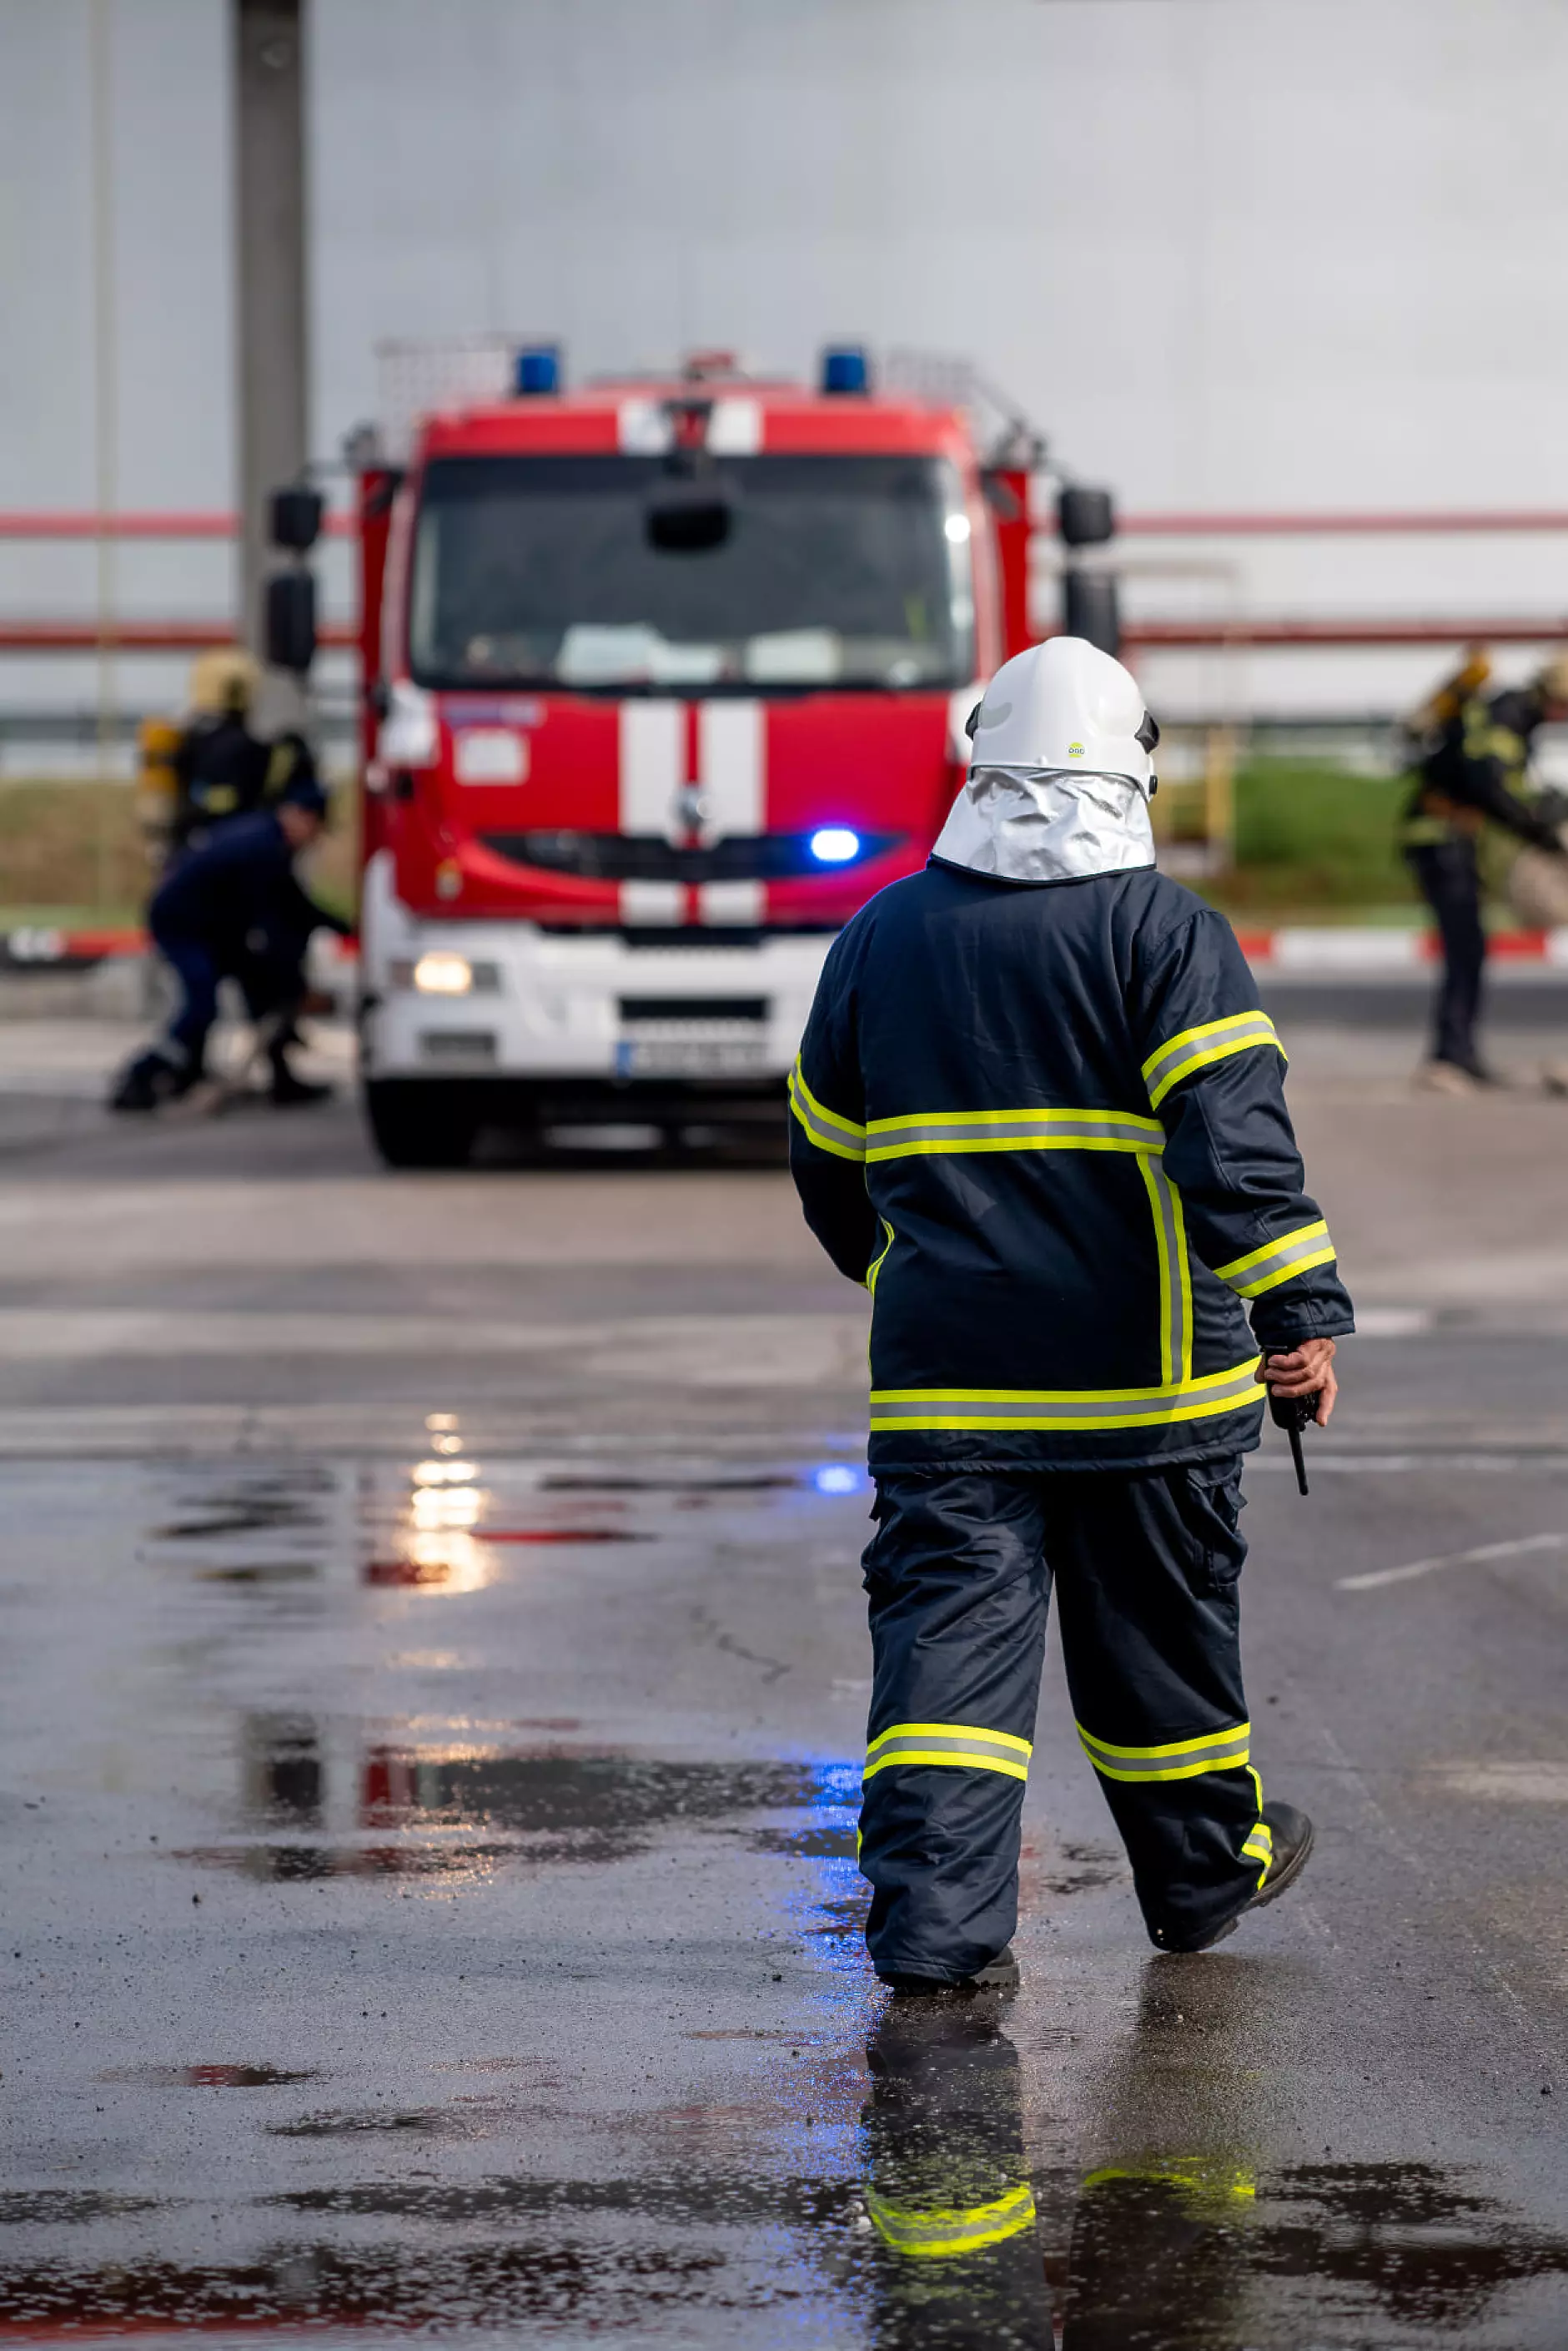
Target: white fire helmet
1065,705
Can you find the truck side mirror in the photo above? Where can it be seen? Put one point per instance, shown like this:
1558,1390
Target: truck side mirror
1091,608
1085,518
291,621
295,518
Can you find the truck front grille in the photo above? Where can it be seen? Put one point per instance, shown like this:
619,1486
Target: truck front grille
648,857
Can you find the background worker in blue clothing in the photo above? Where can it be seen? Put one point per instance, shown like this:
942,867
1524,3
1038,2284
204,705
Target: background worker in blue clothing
232,909
1039,1112
1472,753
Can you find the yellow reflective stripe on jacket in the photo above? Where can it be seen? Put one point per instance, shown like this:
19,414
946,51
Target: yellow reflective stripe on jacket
1276,1261
917,1133
934,2229
825,1128
960,1744
1198,1049
1175,1275
1181,1759
1069,1408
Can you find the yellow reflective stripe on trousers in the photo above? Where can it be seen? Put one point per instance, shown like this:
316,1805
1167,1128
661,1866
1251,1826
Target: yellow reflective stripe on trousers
1202,1398
825,1128
960,1744
934,2229
1260,1843
1175,1275
1181,1759
920,1133
877,1262
1276,1261
1198,1049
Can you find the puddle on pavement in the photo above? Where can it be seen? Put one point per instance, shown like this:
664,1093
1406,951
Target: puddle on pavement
462,2120
823,1844
47,2208
204,2077
611,1484
293,1865
1185,2249
942,2237
337,1802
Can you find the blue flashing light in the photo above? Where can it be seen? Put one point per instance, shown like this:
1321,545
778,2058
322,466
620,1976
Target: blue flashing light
837,1477
835,844
538,372
844,370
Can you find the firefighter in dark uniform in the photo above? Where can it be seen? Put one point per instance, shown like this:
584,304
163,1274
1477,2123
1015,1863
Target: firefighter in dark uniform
232,908
1473,752
220,767
1038,1113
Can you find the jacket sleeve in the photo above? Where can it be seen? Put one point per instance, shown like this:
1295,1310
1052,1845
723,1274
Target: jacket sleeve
827,1124
1489,754
1214,1071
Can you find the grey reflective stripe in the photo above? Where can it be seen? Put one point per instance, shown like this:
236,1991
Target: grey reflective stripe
1022,1126
1141,1408
973,1748
846,1141
1311,1243
1172,1252
1255,1027
1219,1754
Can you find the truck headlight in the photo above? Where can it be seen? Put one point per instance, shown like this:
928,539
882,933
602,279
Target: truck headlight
441,973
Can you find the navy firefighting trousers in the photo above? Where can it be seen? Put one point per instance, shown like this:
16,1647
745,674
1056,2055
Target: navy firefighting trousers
959,1573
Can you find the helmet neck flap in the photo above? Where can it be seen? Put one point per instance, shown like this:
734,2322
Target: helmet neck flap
1062,778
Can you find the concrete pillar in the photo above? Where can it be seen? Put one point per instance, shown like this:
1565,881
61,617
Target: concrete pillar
271,319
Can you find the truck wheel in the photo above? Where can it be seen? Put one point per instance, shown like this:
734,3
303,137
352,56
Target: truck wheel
415,1124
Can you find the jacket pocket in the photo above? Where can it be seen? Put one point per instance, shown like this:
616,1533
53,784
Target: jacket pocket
1212,1503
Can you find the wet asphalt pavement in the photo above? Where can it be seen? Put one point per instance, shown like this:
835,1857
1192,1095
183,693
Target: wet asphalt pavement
432,1691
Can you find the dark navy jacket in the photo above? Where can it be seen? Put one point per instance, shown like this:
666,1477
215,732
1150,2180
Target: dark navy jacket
1044,1123
238,891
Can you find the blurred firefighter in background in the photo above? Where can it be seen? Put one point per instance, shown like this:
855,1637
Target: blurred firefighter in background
230,907
1471,752
214,766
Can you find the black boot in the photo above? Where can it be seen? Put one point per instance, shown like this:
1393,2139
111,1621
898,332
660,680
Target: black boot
288,1091
150,1080
1000,1974
1292,1834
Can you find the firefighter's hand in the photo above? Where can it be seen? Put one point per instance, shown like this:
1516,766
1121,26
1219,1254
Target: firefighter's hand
1307,1370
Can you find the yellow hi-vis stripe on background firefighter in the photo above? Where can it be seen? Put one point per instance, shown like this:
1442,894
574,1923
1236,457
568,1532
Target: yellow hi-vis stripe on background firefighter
921,1133
825,1128
1182,1759
934,2229
1067,1408
1197,1049
958,1743
1276,1261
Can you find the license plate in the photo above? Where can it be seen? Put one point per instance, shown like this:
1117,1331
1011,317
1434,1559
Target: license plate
690,1057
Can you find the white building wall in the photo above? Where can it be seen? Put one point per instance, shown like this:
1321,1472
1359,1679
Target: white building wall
1232,254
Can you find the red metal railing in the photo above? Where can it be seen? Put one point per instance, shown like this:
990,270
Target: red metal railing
138,636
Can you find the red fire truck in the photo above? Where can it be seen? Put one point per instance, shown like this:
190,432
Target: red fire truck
663,680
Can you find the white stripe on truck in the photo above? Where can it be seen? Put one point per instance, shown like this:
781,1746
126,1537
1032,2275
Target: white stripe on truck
652,771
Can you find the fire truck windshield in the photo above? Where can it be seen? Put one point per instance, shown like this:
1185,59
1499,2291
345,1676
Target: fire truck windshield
781,573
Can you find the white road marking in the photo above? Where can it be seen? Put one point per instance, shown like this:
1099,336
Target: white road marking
1506,1784
1476,1557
